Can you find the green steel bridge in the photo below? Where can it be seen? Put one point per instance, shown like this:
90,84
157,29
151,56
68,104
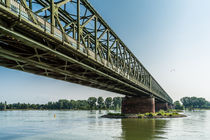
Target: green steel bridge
68,40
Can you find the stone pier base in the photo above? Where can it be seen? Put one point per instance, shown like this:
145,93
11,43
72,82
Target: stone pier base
136,105
160,105
170,106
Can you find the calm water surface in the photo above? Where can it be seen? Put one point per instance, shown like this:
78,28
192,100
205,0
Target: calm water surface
86,125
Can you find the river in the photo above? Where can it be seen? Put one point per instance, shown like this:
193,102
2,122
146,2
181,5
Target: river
87,125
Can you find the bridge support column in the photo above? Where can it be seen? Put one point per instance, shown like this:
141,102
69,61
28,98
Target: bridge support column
136,105
161,105
170,106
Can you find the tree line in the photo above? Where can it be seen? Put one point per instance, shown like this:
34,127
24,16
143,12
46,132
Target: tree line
192,103
92,103
3,106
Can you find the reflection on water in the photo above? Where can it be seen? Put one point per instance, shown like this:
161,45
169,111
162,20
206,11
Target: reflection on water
146,129
87,125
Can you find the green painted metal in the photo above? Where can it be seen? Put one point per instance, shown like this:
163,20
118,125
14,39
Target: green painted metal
8,3
78,24
96,38
98,49
30,4
52,16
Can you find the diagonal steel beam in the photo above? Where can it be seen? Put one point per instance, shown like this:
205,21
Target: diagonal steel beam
83,25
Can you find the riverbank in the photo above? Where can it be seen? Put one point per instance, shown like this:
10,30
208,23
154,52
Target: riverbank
160,114
58,110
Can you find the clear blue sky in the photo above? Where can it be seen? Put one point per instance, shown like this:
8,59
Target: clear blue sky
170,37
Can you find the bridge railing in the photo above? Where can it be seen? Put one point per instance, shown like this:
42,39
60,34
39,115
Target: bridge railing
89,34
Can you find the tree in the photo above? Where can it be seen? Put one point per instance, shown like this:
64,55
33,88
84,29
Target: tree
64,104
178,105
92,102
194,102
100,102
1,106
72,104
207,105
5,105
117,102
49,105
202,102
82,104
60,102
108,102
186,101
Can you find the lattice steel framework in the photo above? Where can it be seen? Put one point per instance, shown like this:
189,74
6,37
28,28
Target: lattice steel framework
69,40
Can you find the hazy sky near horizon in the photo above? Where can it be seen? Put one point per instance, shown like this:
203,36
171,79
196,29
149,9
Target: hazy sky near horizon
170,37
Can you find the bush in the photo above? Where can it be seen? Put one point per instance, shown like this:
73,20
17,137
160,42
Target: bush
175,113
141,116
161,113
150,114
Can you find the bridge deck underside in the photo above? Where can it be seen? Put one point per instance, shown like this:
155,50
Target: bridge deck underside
15,54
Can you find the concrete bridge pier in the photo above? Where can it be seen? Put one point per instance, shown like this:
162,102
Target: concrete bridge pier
136,105
170,106
162,105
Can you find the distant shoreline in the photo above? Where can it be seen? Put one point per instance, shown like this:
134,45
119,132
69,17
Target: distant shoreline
56,110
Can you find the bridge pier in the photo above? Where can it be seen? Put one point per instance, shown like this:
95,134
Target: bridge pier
136,105
170,106
162,105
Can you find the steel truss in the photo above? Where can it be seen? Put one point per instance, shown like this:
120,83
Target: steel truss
69,40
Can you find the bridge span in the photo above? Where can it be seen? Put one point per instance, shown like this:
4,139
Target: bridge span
68,40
